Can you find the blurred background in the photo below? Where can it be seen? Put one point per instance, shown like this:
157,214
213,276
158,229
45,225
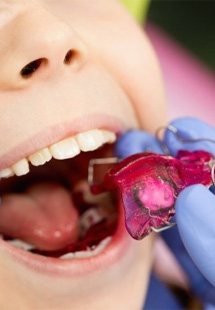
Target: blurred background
183,35
190,22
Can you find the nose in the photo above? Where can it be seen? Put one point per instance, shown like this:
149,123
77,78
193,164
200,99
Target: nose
37,45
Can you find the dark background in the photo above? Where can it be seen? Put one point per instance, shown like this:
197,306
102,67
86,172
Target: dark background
190,22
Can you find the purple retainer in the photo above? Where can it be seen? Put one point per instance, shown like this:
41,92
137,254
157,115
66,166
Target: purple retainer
149,184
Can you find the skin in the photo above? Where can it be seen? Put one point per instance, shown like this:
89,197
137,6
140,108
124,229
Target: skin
113,72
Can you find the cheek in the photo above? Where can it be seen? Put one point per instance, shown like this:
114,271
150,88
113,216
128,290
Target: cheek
133,63
139,74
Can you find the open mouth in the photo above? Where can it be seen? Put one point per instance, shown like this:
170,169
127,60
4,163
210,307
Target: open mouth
47,208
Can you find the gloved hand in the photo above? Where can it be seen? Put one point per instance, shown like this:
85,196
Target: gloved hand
195,206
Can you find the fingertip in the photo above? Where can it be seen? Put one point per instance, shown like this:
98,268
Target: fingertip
195,205
128,144
194,201
136,141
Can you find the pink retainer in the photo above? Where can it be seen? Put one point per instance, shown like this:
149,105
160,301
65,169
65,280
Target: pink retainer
150,183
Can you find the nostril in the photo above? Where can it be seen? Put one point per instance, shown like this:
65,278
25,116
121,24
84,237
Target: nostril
68,57
28,70
71,57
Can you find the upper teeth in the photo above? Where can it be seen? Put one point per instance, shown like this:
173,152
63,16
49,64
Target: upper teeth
64,149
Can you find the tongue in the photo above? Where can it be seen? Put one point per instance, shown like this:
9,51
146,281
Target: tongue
43,216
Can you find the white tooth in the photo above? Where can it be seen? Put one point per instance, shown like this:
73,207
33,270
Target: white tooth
100,247
41,157
68,256
64,149
6,173
90,140
21,244
83,254
21,167
79,254
103,244
109,136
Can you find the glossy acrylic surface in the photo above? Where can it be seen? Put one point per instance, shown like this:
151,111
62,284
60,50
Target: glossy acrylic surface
150,183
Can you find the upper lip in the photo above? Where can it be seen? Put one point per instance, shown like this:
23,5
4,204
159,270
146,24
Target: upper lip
58,132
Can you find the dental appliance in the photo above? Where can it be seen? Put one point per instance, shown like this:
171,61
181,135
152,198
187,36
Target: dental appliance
148,183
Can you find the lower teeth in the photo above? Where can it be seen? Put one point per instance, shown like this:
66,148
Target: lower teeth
93,251
90,252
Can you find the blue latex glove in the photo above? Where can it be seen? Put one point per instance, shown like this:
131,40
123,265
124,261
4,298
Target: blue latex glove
192,202
190,129
195,206
136,141
195,217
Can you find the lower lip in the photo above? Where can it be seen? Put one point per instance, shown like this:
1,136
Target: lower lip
116,250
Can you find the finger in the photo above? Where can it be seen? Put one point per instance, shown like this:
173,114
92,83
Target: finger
189,128
136,141
195,217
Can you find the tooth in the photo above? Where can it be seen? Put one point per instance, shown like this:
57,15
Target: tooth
79,254
83,254
21,167
100,247
103,244
90,140
21,244
109,136
68,256
41,157
6,173
64,149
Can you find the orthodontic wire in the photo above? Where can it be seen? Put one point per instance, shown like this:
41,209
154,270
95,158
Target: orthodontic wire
161,143
158,230
98,161
175,131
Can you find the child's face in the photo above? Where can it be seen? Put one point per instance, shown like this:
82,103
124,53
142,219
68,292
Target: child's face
109,81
